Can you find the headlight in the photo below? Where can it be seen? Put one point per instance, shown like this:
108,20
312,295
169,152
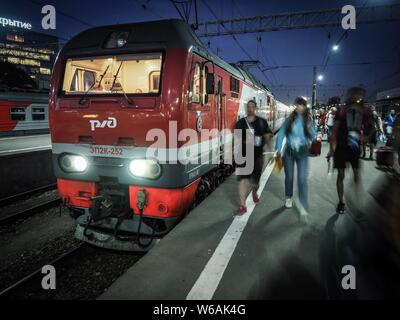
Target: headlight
73,163
145,168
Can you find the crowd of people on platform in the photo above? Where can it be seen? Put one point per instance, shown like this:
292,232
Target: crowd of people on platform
349,129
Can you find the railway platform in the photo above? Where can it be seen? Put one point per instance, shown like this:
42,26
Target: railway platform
24,144
265,254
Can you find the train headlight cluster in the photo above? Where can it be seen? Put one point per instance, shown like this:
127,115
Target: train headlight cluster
73,163
145,168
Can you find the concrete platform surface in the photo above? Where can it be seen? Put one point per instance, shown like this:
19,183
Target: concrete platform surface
268,254
23,144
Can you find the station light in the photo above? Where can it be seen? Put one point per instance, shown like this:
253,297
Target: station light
145,168
73,163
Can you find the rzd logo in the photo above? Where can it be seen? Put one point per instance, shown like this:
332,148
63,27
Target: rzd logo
110,123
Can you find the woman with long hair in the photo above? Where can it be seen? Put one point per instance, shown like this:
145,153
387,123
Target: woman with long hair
299,132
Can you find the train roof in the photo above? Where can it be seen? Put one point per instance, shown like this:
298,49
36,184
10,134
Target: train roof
172,33
24,96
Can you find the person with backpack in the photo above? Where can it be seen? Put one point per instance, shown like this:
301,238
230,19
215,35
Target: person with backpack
345,144
299,132
252,132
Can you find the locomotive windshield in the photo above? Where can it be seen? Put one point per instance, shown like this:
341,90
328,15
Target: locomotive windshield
122,74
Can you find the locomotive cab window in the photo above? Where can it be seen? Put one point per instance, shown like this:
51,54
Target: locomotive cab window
120,74
195,91
154,81
17,114
83,76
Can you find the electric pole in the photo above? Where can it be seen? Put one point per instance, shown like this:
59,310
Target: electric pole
314,88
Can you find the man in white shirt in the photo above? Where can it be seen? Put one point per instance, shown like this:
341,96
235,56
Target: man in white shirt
330,119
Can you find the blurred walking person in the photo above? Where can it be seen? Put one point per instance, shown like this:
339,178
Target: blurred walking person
299,133
389,121
345,144
257,129
330,118
371,134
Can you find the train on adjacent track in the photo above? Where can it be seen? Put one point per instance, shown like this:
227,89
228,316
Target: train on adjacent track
111,88
23,112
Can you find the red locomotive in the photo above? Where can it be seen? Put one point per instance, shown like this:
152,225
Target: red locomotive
111,86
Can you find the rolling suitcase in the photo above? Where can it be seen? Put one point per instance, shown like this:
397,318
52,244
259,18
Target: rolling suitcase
316,145
385,157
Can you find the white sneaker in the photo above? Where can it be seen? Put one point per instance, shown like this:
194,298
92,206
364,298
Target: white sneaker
303,214
304,218
289,203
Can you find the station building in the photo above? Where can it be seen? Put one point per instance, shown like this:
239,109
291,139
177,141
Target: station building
32,51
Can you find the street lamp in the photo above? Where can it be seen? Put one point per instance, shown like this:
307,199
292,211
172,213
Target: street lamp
335,47
320,77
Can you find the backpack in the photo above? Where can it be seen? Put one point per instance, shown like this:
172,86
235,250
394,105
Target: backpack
357,121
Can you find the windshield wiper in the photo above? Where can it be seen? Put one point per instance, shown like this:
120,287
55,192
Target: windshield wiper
126,97
120,86
83,99
102,76
116,75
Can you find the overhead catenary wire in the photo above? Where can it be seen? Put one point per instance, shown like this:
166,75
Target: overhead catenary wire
259,42
236,41
344,35
145,7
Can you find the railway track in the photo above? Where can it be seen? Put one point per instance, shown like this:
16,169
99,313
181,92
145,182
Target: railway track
27,279
11,215
22,195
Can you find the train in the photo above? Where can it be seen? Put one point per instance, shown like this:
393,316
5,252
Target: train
23,112
114,91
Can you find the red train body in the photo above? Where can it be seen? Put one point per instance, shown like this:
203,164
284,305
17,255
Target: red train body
23,112
111,86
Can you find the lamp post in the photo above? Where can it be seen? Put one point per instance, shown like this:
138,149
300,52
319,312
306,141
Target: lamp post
314,86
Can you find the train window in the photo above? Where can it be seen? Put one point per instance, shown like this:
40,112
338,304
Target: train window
205,73
154,81
75,81
118,74
89,78
196,84
38,114
235,87
17,114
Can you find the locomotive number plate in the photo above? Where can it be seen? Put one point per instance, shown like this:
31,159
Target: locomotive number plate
108,151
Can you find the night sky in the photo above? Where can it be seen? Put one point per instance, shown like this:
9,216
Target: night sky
378,43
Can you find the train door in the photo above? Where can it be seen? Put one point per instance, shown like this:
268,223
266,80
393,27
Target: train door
273,112
220,107
221,113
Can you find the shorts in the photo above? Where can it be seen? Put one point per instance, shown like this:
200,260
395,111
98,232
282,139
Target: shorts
343,155
257,170
373,137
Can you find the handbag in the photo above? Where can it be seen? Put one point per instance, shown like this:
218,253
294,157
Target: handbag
257,139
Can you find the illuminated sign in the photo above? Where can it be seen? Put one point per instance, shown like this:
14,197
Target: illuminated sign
15,23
